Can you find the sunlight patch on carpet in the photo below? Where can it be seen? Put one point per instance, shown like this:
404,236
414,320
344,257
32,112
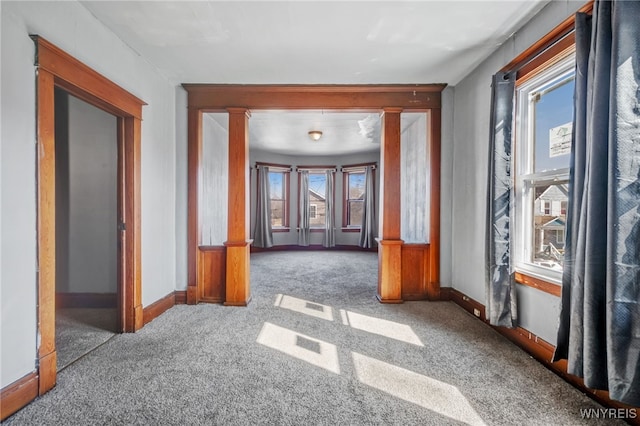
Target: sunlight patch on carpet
297,345
382,327
304,307
424,391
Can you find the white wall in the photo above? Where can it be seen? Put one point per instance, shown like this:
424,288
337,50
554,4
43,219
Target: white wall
181,191
72,28
291,237
86,197
472,100
446,185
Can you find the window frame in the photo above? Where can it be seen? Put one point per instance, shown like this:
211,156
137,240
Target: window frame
525,176
346,172
315,170
556,44
286,172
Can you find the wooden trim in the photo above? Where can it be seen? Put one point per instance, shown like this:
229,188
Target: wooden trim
546,42
540,349
467,303
284,167
56,68
86,300
219,97
193,227
46,229
392,99
313,247
359,165
181,297
85,83
132,251
539,284
433,270
18,394
159,307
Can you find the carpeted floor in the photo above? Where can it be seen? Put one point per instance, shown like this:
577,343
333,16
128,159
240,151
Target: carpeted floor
313,347
81,330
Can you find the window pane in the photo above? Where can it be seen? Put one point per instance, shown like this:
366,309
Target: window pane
317,203
277,213
355,212
549,218
553,109
356,186
276,191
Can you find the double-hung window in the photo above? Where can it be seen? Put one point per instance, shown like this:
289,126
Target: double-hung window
544,117
353,197
279,196
317,200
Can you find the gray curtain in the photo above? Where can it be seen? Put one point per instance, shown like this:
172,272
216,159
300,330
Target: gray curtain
599,332
367,231
304,231
329,239
500,283
263,236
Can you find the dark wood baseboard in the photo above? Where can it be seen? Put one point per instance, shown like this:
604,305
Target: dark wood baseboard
157,308
293,247
18,394
181,297
86,300
538,348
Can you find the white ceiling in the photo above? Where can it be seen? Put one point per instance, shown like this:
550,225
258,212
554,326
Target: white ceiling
314,42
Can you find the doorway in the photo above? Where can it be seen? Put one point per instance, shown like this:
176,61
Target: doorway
57,69
86,227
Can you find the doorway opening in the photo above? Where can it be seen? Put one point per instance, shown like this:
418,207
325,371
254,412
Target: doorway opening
87,248
57,69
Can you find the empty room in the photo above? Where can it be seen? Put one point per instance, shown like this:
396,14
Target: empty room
320,212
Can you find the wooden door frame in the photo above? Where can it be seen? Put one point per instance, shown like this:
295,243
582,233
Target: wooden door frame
56,68
390,99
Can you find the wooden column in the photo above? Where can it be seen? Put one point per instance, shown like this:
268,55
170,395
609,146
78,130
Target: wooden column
389,242
238,292
193,231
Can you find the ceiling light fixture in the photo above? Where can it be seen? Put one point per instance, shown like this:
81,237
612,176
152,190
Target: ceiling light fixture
315,135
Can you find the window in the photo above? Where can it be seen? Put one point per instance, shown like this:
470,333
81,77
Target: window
317,201
278,196
543,146
353,204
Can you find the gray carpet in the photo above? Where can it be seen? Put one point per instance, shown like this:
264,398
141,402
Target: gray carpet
313,347
81,330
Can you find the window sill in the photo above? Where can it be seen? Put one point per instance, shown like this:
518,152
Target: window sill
539,284
285,229
350,229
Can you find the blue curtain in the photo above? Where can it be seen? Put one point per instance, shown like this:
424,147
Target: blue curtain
500,283
599,331
368,228
263,236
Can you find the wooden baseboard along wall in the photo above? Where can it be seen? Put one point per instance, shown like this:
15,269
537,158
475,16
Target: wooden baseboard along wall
18,394
538,348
